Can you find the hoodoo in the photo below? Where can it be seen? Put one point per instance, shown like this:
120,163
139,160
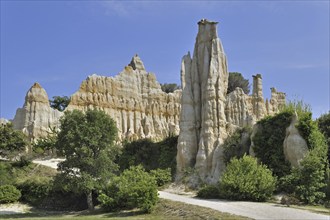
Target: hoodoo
208,115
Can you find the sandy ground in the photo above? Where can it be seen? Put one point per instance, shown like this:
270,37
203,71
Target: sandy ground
253,210
14,208
49,162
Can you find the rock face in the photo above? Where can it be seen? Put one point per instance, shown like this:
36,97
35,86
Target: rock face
36,118
208,115
134,99
203,120
294,146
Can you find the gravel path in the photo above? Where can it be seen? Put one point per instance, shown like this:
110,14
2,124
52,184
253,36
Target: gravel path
49,162
248,209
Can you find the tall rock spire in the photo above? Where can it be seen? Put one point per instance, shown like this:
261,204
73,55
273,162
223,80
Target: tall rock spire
203,120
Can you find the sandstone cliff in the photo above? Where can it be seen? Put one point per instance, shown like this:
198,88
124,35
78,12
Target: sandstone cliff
208,115
134,99
36,118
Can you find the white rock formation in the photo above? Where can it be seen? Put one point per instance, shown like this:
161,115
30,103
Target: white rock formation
208,115
203,120
294,146
134,99
36,118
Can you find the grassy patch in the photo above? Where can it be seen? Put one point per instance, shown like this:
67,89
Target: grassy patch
165,209
313,208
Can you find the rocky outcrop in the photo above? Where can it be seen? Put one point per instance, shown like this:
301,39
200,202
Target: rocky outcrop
294,146
134,99
203,120
208,115
36,118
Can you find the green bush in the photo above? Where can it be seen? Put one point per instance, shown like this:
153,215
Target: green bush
209,192
35,190
9,193
162,176
149,154
245,179
134,188
324,126
268,142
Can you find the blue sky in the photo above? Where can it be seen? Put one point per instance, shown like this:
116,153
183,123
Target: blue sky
60,43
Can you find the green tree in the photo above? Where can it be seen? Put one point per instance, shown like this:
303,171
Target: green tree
324,126
245,179
134,188
46,144
235,80
59,102
87,142
169,87
12,142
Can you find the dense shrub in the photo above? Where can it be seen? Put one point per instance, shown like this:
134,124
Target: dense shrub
162,176
324,126
149,154
237,144
12,142
35,190
9,193
268,142
245,179
134,188
209,192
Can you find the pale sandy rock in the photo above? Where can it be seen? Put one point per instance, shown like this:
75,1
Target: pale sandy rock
135,101
208,116
294,145
36,118
3,121
203,120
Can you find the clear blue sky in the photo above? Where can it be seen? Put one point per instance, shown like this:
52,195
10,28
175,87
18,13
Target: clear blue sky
60,43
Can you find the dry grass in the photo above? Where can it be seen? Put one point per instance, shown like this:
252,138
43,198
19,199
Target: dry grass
165,209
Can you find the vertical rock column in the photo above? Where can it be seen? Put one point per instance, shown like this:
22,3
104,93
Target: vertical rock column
203,121
259,108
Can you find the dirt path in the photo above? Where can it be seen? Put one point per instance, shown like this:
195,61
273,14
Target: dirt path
248,209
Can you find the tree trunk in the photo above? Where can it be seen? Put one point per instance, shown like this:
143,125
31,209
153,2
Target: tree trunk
90,201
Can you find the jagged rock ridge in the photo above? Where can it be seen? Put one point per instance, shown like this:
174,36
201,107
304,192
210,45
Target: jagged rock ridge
133,98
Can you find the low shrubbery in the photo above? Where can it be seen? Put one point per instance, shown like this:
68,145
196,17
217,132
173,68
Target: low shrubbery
209,192
34,190
162,176
151,155
134,188
245,179
9,193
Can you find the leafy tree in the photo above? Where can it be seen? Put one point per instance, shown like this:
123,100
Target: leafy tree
12,141
134,188
46,144
87,142
324,126
245,179
59,102
169,87
235,80
149,154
